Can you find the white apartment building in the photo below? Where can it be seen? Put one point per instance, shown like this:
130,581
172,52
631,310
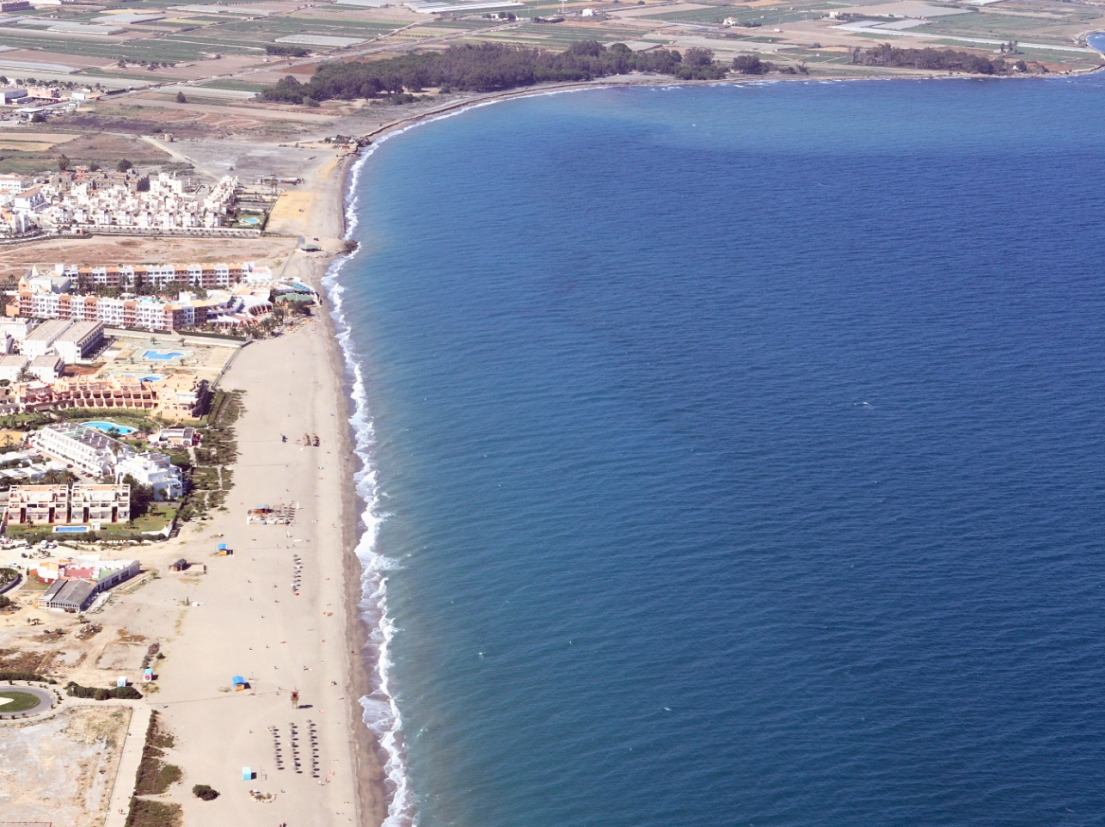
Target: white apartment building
16,328
31,200
40,341
46,368
12,366
38,505
153,469
86,449
81,339
13,184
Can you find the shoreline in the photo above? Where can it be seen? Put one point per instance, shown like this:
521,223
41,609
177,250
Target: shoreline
373,792
487,98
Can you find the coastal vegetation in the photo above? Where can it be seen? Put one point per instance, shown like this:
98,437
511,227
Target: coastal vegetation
147,813
948,60
154,775
99,693
17,675
209,477
489,67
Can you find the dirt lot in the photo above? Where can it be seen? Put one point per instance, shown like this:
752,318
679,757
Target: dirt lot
60,770
188,120
18,259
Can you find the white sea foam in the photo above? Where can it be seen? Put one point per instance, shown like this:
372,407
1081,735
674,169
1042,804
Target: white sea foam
381,712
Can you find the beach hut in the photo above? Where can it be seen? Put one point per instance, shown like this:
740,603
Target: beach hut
179,565
247,773
147,675
239,683
224,550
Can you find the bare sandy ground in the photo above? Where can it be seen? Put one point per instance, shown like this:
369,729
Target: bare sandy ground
61,769
101,250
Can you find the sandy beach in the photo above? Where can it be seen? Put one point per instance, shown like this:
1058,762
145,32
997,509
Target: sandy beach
245,618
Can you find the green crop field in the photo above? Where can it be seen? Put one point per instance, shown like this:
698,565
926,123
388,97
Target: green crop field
173,48
236,85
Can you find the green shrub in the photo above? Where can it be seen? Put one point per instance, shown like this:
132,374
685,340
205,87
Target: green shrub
205,792
145,813
126,693
154,775
24,676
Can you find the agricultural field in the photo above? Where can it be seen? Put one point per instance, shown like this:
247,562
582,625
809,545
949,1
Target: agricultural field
29,157
196,70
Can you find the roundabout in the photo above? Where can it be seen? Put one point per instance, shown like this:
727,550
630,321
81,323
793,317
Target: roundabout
24,700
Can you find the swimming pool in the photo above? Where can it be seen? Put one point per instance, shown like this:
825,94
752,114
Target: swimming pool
108,427
153,377
71,529
163,355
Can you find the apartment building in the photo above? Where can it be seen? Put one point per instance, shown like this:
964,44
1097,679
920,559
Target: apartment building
12,367
40,341
79,341
85,449
155,470
95,503
46,368
38,505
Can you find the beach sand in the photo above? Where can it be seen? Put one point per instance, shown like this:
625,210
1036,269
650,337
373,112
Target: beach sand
246,619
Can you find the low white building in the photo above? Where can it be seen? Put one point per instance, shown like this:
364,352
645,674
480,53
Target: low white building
86,449
155,470
45,368
11,367
13,184
79,341
40,341
16,328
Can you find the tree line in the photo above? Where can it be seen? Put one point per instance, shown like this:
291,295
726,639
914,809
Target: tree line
948,60
489,67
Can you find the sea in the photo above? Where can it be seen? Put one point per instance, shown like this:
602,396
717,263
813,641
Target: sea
733,455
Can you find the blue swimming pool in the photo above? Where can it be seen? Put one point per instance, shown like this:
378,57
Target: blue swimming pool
108,427
71,529
153,377
162,355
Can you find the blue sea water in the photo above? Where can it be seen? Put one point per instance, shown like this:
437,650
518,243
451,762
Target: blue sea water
735,456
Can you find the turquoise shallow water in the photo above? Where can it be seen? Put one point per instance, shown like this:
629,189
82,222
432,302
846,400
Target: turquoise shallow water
735,455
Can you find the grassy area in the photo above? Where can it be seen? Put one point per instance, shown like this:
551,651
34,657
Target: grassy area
236,85
157,517
33,583
18,701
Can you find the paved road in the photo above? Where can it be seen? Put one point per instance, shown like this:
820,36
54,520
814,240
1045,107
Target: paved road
46,699
127,773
